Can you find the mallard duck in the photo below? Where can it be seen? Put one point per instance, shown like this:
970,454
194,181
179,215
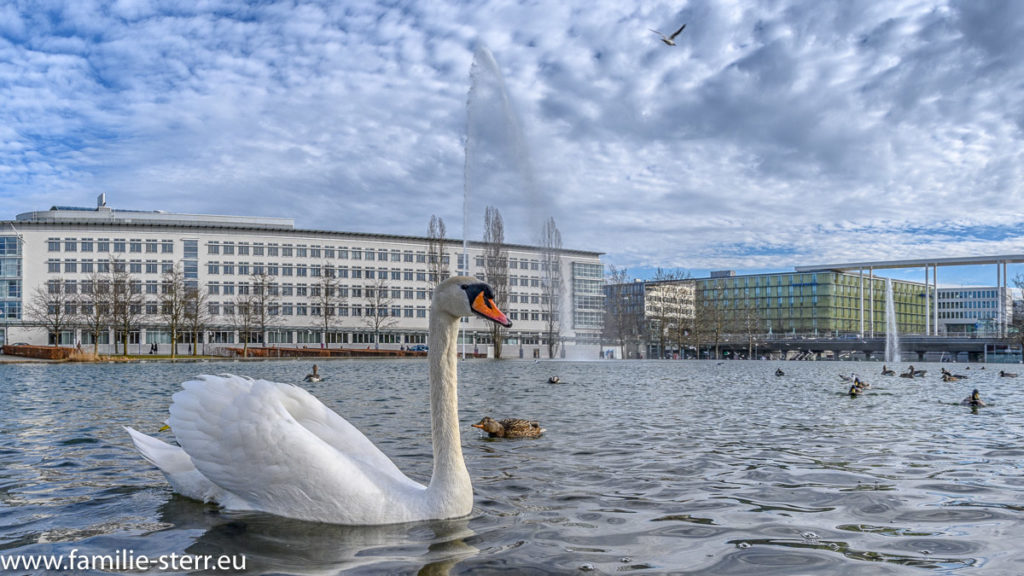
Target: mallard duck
973,400
886,371
1007,374
948,376
313,376
510,428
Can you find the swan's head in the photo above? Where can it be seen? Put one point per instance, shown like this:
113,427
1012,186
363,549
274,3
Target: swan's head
490,425
467,296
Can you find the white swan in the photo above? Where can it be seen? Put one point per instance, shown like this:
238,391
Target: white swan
257,445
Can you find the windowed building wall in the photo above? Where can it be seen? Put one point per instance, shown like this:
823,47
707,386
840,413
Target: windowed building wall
376,275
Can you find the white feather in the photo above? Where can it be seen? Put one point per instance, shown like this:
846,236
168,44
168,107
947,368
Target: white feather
257,445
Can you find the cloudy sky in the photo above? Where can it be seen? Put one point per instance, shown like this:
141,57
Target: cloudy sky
776,133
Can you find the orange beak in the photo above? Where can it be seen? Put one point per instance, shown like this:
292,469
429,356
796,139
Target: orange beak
486,307
480,426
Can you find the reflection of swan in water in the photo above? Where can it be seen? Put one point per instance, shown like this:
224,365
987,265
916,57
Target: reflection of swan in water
257,445
271,544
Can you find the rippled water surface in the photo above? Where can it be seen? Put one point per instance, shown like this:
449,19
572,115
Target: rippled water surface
645,468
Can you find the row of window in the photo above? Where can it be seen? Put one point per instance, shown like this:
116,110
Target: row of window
969,304
965,294
975,315
54,266
118,245
153,246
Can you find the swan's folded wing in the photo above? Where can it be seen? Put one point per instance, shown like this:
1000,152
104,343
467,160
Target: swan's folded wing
280,450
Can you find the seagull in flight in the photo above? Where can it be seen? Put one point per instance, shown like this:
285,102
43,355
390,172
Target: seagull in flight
670,40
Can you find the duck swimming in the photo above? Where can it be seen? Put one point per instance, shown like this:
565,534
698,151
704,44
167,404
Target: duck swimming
510,428
779,372
1007,374
886,371
313,376
974,400
554,380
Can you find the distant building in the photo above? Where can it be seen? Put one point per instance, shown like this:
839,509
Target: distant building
648,319
813,303
973,310
678,318
378,274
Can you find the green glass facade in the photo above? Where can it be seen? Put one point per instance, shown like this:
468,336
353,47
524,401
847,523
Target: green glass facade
816,303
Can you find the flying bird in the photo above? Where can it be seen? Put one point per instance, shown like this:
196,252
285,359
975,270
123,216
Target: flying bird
670,40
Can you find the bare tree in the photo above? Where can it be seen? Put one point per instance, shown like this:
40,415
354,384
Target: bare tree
197,314
264,302
94,306
748,323
709,315
377,314
173,302
244,318
54,306
551,249
437,252
496,269
666,307
616,312
1017,322
326,297
125,300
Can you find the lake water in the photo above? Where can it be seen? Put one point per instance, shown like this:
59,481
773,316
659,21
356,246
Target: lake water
646,467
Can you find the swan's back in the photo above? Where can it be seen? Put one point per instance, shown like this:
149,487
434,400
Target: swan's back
274,447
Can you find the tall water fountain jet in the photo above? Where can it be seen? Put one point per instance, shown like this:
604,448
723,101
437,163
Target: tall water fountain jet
497,161
498,170
892,338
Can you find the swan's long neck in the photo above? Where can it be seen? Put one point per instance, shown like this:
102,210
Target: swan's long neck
450,481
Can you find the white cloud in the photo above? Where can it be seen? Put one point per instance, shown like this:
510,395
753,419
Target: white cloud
774,134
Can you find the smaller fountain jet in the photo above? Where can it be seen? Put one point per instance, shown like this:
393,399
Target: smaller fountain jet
670,40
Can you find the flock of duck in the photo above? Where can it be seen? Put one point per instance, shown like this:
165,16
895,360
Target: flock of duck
858,386
256,445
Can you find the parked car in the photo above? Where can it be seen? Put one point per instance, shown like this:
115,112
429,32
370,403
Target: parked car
418,348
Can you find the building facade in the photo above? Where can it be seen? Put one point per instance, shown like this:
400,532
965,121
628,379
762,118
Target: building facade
646,319
679,318
974,310
816,304
378,276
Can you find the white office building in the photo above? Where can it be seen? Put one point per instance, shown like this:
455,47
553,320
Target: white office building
68,247
974,310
